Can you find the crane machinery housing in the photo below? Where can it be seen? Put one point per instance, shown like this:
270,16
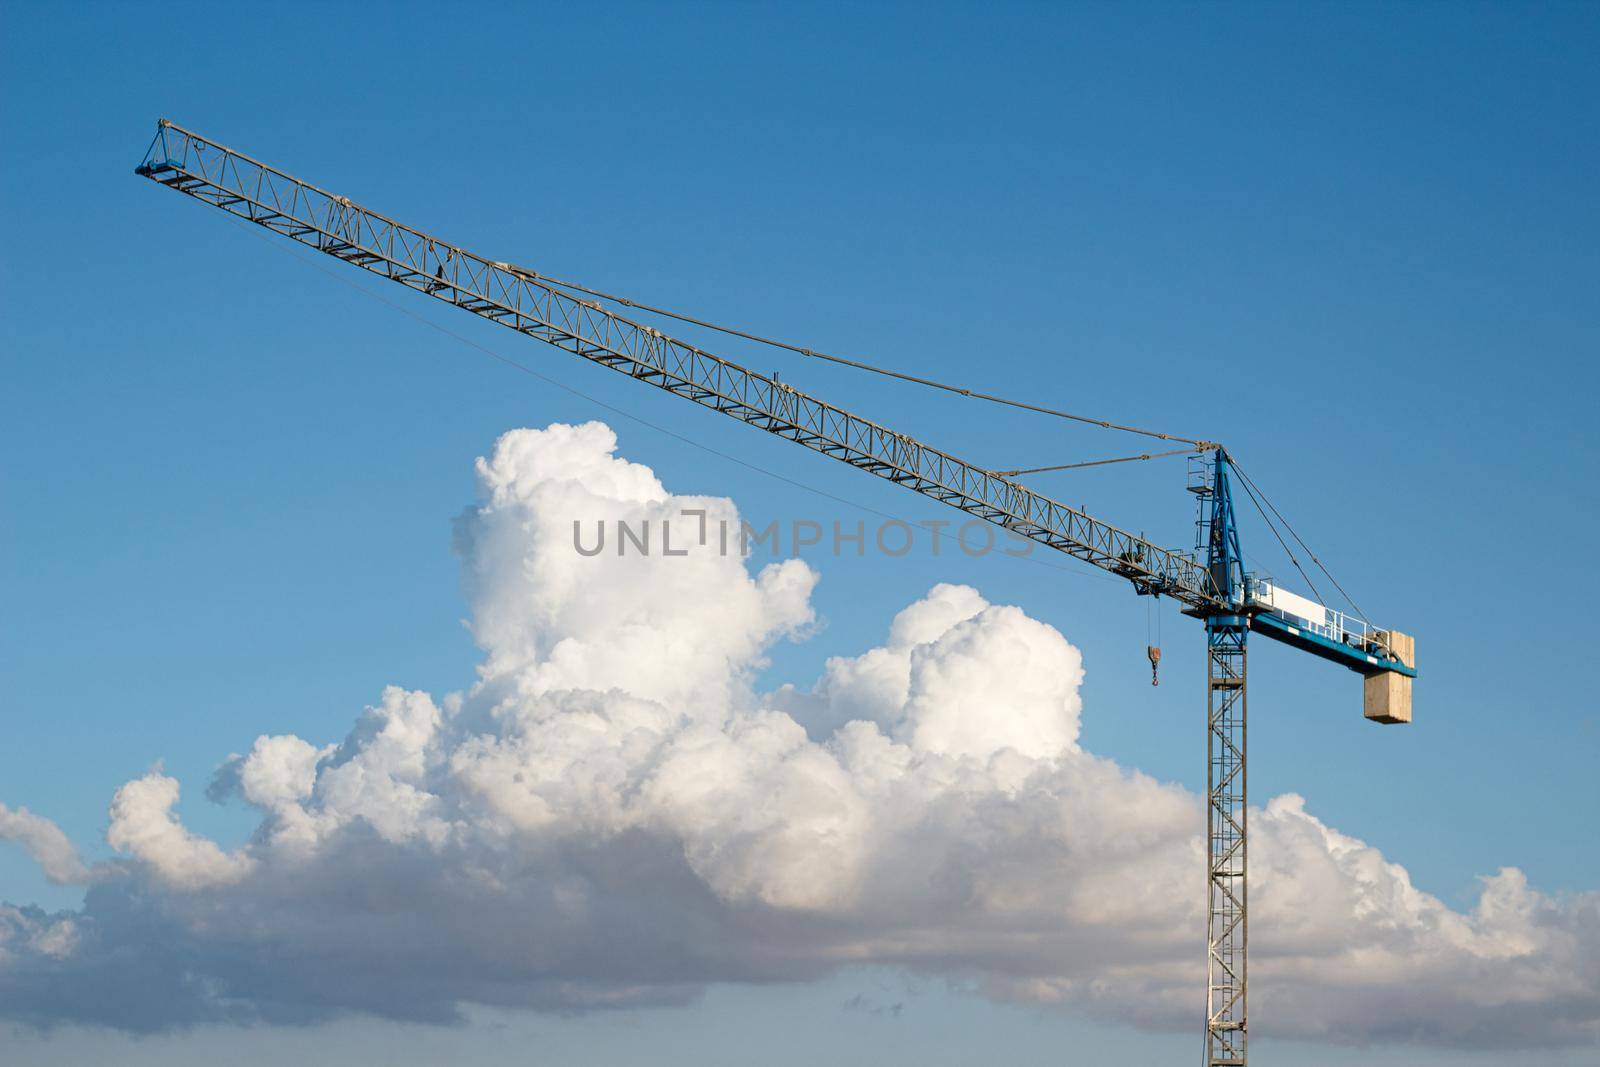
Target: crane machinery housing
1211,584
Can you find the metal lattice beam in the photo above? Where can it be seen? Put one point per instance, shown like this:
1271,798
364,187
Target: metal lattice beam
519,299
1227,818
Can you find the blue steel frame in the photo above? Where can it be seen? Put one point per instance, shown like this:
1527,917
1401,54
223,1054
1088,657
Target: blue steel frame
1361,660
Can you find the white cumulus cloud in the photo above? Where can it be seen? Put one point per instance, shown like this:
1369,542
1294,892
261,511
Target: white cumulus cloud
49,847
144,826
612,814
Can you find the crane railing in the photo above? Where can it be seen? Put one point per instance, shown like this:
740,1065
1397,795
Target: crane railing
521,300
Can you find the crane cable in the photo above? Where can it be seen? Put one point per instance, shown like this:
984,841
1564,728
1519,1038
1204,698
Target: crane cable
1249,484
1095,463
1152,630
936,533
857,364
1287,550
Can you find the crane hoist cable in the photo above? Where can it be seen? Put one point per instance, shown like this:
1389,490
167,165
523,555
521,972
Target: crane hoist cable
812,353
1152,626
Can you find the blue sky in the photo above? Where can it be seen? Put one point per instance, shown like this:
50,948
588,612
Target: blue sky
1357,244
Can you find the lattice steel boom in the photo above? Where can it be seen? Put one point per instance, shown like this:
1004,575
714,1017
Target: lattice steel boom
1215,589
520,299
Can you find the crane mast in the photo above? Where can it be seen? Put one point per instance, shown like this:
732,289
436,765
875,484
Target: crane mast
1215,589
1227,811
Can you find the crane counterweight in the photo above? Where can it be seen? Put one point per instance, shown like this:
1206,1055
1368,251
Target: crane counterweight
1386,695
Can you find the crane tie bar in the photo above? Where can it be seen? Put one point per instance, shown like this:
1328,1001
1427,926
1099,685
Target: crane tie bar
1098,462
859,365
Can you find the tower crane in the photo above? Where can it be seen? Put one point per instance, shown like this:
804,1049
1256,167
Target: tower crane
1211,584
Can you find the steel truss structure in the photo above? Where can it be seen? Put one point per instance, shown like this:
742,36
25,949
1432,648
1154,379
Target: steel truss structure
1227,857
1215,590
1227,813
520,299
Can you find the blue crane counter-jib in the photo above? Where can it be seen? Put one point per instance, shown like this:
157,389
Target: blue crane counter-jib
1210,584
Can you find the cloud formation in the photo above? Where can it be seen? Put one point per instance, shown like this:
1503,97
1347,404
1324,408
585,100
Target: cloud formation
44,841
613,815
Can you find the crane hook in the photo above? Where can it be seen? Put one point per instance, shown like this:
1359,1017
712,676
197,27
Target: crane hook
1155,662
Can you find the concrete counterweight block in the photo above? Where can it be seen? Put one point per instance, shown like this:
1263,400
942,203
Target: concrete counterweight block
1386,696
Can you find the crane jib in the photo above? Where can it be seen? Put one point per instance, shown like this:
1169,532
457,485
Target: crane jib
519,299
